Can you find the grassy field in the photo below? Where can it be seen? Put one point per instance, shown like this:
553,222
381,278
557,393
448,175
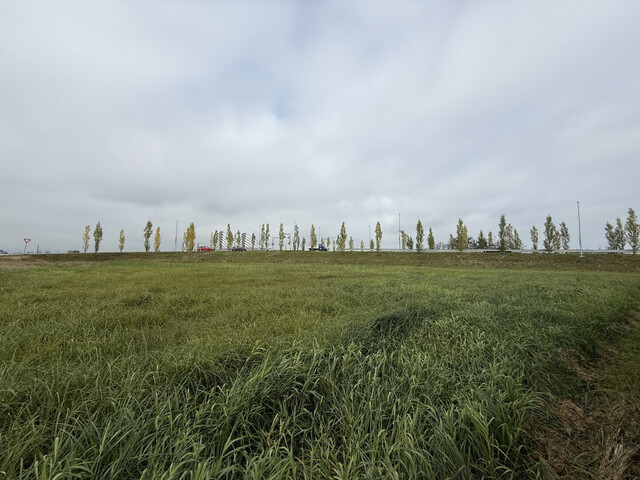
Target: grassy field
318,365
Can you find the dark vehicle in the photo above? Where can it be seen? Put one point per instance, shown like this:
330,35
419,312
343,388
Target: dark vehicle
2,252
319,248
238,249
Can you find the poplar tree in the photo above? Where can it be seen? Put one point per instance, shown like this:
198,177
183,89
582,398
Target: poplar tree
565,238
550,235
281,237
419,236
266,237
502,234
517,242
86,237
632,230
253,241
262,237
350,243
342,238
378,236
620,235
296,238
482,242
121,240
462,236
156,241
229,237
313,239
371,245
403,239
410,242
239,239
97,236
190,238
214,239
362,245
490,239
534,237
452,242
610,236
147,234
431,241
304,243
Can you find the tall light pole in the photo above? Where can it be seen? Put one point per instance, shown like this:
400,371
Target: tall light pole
399,242
579,230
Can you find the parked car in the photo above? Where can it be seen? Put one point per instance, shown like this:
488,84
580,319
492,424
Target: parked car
204,249
238,249
319,248
2,252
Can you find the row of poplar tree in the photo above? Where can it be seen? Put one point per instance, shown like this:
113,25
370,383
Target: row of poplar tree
508,238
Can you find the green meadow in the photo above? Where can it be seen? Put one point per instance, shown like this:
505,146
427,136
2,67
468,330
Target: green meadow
319,365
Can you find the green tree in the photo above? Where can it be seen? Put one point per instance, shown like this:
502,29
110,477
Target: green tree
462,236
620,235
410,242
517,242
190,238
610,235
267,235
262,237
296,238
452,242
313,239
490,238
632,230
431,241
97,236
215,238
156,241
253,241
304,243
565,238
378,236
239,239
534,237
148,229
371,245
86,237
550,235
342,238
502,234
229,237
482,241
362,245
419,236
281,237
121,240
350,243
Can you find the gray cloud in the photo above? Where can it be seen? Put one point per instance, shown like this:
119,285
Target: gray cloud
317,113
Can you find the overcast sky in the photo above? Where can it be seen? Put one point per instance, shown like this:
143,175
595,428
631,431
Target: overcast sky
315,113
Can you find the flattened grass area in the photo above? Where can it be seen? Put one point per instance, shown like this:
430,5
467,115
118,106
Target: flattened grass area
316,365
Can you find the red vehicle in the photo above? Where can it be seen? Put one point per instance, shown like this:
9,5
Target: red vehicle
204,249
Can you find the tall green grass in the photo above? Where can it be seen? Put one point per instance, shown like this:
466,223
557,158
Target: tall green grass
195,370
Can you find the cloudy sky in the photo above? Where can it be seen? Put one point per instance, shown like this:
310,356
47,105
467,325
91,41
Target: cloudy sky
248,113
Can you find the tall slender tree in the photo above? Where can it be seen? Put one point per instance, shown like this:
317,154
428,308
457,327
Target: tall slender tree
462,236
86,237
565,238
229,237
503,234
610,236
482,241
551,235
148,229
190,238
313,239
296,238
534,237
156,241
97,236
215,238
419,236
378,236
121,240
281,237
632,230
342,238
350,243
517,242
431,241
621,240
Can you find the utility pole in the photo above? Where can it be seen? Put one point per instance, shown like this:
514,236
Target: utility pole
399,241
175,247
